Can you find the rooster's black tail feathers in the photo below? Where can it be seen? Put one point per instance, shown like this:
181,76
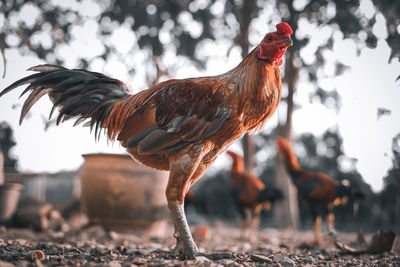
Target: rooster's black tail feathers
77,93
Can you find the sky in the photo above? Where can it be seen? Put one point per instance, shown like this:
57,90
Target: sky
369,84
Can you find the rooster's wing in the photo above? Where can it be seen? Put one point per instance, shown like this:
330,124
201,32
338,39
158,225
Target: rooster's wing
175,114
316,185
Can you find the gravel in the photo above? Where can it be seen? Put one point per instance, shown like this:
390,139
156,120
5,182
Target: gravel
93,246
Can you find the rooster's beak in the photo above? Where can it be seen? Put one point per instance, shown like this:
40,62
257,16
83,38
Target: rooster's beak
286,43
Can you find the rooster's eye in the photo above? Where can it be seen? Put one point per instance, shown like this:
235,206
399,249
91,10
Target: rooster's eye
269,39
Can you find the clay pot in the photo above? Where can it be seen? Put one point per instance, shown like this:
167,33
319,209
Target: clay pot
9,198
117,192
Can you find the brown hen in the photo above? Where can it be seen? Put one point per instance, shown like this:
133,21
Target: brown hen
250,194
318,190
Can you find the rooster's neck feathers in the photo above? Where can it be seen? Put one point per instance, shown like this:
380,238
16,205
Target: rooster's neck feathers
256,85
290,159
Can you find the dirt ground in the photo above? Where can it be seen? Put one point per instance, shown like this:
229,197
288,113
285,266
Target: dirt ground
93,246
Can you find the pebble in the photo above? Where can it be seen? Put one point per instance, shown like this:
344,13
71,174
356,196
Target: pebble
35,255
278,257
229,263
309,259
283,260
260,258
203,259
287,262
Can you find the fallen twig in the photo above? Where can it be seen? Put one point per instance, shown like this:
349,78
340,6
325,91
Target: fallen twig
381,242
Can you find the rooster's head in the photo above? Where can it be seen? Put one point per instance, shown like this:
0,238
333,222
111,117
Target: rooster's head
274,44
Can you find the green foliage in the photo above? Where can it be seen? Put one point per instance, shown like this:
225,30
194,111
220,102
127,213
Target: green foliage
226,19
390,197
391,11
147,18
6,144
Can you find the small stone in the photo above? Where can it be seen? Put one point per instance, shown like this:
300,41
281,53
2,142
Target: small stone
309,259
113,264
278,258
283,260
229,263
260,258
113,235
202,258
35,255
287,262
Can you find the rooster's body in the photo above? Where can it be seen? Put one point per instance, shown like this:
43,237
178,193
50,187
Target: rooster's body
177,125
320,191
250,194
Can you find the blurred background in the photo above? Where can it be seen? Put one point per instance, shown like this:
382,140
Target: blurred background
339,105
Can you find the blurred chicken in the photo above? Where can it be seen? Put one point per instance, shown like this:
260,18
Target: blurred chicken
250,194
320,191
176,125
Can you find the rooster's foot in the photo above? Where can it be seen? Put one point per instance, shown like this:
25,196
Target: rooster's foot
191,253
183,253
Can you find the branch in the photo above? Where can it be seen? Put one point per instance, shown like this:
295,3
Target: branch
4,57
381,242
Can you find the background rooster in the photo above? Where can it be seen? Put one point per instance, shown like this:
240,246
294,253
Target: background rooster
320,191
176,125
250,194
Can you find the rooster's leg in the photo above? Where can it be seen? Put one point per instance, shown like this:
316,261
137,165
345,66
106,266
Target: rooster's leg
185,246
243,227
255,221
317,230
243,220
330,218
181,170
184,172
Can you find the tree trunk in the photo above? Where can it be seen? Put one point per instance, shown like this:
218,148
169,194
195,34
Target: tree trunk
2,179
243,40
248,152
287,210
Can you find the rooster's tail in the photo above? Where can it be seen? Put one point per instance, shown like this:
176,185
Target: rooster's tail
77,93
345,189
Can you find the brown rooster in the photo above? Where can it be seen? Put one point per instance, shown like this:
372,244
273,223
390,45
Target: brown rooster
320,191
250,193
176,125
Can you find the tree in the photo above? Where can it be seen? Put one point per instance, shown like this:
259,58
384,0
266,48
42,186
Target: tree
328,15
6,144
147,20
390,200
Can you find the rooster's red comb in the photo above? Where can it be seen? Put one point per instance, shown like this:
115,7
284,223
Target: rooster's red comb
283,28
